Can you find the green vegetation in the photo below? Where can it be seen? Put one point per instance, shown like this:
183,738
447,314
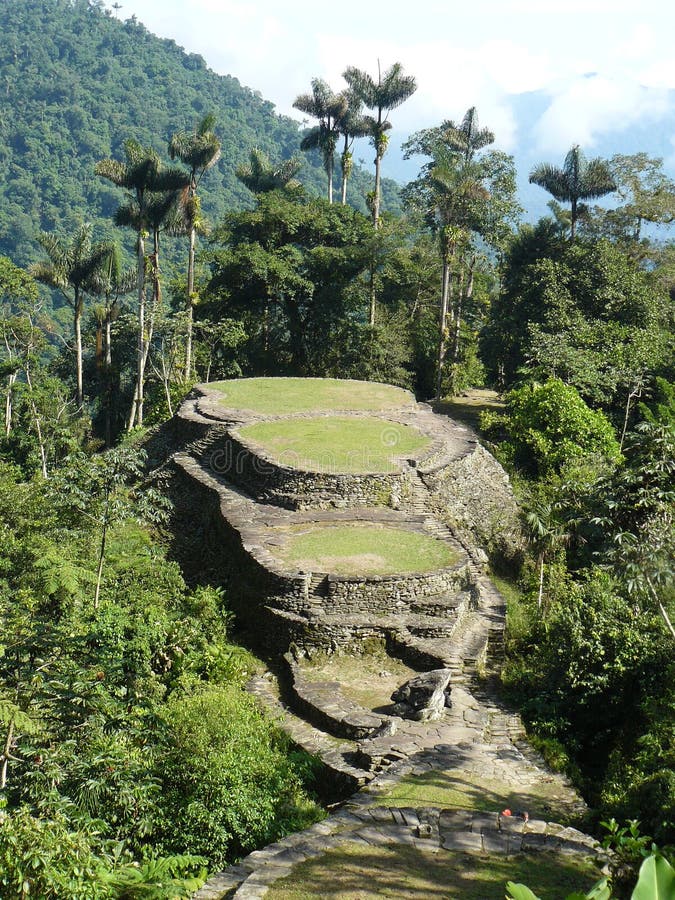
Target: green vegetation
92,81
338,444
130,752
280,396
130,758
362,872
357,549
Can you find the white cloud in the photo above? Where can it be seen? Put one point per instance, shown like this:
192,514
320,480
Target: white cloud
585,108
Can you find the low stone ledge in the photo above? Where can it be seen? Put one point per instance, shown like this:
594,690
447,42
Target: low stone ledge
323,703
453,831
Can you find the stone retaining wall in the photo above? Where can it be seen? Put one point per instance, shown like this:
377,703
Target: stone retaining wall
477,501
323,704
393,593
270,481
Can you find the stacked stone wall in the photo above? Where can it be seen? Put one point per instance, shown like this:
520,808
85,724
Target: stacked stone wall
477,501
270,481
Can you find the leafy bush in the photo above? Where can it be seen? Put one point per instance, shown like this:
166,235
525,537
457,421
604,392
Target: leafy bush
229,785
549,425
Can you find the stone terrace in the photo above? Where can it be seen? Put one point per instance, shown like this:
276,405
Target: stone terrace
452,618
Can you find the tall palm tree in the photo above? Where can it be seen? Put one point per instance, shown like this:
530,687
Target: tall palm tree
200,151
327,107
351,124
382,96
260,176
579,179
467,137
142,175
71,267
453,192
111,283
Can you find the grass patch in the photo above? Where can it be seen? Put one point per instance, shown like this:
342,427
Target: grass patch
395,871
357,549
367,680
279,396
468,406
337,443
459,790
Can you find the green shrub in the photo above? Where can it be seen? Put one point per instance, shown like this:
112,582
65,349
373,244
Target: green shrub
549,426
229,785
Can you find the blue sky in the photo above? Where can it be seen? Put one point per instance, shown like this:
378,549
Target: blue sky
603,65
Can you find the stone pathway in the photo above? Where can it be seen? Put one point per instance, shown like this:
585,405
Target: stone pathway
478,746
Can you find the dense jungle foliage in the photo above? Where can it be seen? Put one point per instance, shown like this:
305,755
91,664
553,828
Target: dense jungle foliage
92,81
130,757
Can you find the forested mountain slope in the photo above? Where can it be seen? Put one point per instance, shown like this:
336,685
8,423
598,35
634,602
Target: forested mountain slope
76,83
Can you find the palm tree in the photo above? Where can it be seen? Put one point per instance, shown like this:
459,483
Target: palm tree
467,137
382,96
260,176
111,283
144,176
546,533
579,179
200,151
453,191
327,107
71,267
351,124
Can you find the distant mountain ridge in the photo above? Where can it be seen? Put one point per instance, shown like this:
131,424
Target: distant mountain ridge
75,83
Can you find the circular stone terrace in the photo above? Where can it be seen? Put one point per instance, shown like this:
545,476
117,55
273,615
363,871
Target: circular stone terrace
262,397
337,444
360,549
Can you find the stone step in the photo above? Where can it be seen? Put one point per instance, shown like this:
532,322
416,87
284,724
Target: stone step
335,754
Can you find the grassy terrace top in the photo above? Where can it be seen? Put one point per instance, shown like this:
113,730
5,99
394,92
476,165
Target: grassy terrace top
357,549
281,396
337,444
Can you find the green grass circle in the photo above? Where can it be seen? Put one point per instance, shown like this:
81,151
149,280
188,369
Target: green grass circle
281,396
337,444
357,549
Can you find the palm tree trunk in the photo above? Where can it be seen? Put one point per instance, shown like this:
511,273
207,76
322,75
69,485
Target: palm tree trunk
101,558
445,294
462,295
376,198
573,228
540,596
137,406
345,163
8,403
188,306
77,328
107,369
329,172
38,424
